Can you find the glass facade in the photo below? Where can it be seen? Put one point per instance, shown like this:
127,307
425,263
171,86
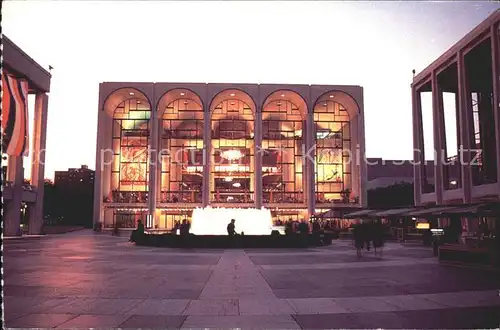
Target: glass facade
222,155
333,149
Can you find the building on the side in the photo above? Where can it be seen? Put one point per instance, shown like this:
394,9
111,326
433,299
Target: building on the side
74,178
464,82
22,76
294,149
383,173
75,193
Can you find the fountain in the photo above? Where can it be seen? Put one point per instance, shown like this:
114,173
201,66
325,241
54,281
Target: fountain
214,221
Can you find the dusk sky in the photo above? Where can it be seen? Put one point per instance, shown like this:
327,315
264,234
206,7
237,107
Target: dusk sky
372,44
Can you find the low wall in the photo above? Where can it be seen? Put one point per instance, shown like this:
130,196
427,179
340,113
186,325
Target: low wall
239,241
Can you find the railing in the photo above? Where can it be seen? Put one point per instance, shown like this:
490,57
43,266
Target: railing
282,197
190,196
341,200
127,197
228,196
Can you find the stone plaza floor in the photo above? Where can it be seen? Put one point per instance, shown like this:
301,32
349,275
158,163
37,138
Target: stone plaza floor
86,280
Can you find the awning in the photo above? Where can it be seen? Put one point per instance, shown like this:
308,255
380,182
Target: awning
361,214
482,209
395,212
464,209
431,210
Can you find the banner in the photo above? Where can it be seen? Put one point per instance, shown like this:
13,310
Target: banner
15,133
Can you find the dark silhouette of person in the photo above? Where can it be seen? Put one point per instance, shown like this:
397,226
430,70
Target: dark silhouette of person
185,226
378,237
231,228
359,240
139,232
304,228
140,227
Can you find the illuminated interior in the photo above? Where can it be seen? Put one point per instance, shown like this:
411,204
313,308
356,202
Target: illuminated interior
282,143
130,137
230,175
232,161
214,221
333,145
181,132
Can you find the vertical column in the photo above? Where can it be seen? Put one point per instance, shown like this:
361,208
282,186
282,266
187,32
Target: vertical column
207,142
305,161
310,166
98,193
258,158
438,150
417,146
363,196
13,207
38,162
495,56
153,167
106,155
465,117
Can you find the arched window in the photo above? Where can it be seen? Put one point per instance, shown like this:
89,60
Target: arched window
333,148
282,144
232,167
181,134
130,134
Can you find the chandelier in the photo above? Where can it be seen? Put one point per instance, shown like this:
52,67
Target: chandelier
233,154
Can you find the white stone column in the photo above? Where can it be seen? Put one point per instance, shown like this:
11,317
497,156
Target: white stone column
363,170
258,158
417,146
38,162
495,55
437,129
310,164
466,120
98,177
207,147
12,215
153,167
106,154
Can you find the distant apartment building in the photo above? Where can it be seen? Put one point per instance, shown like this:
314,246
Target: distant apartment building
387,172
75,189
75,178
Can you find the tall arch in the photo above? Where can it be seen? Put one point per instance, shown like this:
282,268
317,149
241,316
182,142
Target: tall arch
180,113
283,135
332,113
130,112
232,165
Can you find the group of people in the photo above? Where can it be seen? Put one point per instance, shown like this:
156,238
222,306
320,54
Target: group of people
367,234
183,227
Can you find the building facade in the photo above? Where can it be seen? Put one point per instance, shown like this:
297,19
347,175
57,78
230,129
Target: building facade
74,190
464,81
22,76
294,149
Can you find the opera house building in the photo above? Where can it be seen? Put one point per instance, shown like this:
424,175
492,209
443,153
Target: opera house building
166,149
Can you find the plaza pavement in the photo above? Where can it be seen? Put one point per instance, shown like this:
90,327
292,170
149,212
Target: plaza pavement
86,280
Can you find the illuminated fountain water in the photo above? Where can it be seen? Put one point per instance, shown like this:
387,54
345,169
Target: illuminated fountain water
214,221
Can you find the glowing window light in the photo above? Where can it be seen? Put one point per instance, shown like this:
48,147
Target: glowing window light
214,221
232,154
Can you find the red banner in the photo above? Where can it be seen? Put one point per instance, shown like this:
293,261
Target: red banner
15,118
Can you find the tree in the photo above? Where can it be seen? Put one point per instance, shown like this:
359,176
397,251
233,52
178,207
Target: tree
398,195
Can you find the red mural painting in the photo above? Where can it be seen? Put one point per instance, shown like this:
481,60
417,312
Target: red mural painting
133,167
